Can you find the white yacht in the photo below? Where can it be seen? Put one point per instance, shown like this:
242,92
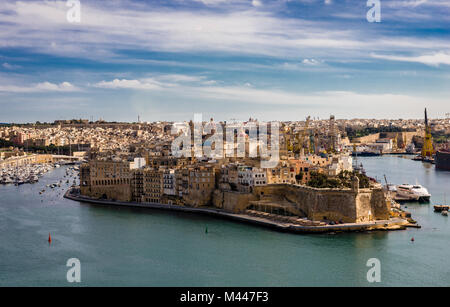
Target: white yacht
413,192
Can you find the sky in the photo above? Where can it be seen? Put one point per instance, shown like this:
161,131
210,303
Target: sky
226,59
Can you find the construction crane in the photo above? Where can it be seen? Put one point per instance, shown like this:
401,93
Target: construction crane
427,149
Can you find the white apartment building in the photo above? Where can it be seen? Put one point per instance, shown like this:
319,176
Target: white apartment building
339,164
249,177
138,163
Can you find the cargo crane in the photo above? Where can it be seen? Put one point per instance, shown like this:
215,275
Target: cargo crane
427,149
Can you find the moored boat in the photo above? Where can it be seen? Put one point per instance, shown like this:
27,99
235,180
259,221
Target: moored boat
441,208
408,192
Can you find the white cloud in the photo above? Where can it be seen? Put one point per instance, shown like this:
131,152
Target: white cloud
249,94
406,3
245,31
342,103
180,78
10,66
155,82
305,65
310,62
211,2
40,87
256,3
47,86
128,84
204,90
434,59
417,3
253,95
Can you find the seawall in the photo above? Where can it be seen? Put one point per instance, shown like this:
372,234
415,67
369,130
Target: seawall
393,224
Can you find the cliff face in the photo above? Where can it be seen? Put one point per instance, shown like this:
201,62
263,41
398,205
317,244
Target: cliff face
348,206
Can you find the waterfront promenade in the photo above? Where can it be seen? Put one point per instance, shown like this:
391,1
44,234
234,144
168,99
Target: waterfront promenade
380,225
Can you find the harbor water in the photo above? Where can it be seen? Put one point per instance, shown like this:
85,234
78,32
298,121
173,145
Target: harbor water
139,247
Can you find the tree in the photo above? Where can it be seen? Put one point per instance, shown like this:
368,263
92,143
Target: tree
343,180
319,180
299,176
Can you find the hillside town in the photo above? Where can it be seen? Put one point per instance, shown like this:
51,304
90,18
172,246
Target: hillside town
316,181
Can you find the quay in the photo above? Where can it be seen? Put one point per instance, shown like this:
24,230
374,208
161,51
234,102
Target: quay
402,153
30,159
379,225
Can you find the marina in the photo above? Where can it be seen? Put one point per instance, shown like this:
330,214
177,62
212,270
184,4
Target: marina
31,173
24,174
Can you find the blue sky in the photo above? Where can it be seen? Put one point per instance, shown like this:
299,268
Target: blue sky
267,59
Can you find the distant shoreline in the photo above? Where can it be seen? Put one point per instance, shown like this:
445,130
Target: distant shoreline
385,225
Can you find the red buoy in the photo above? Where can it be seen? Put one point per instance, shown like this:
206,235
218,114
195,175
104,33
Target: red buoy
412,239
49,239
